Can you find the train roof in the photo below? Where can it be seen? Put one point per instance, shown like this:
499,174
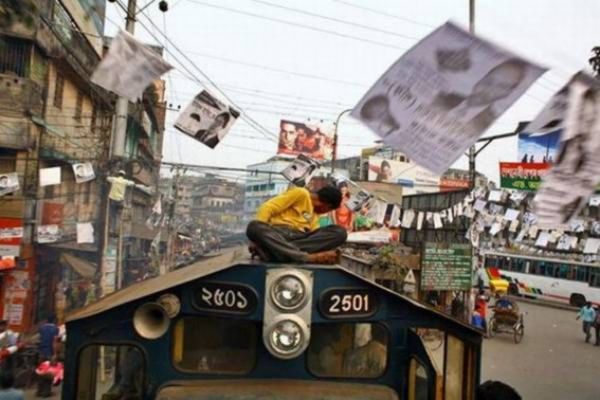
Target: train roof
231,258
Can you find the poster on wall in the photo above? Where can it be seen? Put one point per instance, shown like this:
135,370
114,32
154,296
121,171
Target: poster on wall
207,119
442,94
83,172
312,140
9,183
446,267
538,148
522,176
48,233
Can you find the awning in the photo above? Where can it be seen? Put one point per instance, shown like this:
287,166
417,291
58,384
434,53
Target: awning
83,267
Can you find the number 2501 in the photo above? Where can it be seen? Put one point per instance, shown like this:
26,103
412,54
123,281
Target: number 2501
349,303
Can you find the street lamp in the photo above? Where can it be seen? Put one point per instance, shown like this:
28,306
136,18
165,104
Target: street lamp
335,139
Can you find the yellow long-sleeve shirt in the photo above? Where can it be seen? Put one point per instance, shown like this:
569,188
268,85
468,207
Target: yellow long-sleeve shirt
292,208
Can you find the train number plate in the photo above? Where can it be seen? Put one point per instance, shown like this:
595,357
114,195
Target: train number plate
225,297
348,303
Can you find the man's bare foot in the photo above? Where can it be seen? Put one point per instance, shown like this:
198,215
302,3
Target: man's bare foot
325,257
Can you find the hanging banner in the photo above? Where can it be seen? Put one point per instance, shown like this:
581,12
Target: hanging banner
9,182
312,140
83,172
129,67
301,170
50,176
442,94
576,172
522,176
207,119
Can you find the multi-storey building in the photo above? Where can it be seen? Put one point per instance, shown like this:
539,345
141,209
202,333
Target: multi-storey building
263,182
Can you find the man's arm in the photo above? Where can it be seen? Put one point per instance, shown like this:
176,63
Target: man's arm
279,203
110,179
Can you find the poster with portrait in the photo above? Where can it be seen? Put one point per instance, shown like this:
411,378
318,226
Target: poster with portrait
312,140
412,178
207,119
301,170
575,174
129,67
9,183
442,94
83,172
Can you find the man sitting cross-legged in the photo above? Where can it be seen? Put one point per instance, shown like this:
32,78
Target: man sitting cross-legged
286,228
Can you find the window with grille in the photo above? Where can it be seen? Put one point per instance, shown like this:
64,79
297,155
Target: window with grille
14,56
59,86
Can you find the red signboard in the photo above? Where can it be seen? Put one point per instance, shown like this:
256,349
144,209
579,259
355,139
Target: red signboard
450,184
9,231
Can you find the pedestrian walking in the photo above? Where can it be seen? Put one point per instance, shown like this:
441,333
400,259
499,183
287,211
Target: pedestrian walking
597,328
48,333
588,315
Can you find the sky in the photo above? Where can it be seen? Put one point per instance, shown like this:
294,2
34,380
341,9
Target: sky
310,59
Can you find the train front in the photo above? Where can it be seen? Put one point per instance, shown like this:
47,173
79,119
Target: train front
254,331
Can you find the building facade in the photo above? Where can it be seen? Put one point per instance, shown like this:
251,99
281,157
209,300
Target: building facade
263,182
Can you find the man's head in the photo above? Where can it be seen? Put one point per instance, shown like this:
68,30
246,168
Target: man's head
288,135
375,108
121,173
498,83
386,169
326,199
495,390
52,319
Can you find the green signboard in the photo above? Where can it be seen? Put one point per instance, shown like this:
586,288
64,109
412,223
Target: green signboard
446,267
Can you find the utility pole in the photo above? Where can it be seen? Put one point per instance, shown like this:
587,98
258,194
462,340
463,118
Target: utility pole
120,127
472,150
335,140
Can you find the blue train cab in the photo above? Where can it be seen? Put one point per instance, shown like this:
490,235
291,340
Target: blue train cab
235,329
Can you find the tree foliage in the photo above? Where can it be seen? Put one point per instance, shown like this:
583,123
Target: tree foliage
595,60
13,11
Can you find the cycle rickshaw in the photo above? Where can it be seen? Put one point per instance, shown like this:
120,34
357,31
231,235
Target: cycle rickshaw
507,318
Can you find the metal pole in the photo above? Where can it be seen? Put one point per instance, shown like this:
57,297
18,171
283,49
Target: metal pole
335,139
120,127
472,149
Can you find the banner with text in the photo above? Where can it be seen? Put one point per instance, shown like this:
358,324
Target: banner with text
522,176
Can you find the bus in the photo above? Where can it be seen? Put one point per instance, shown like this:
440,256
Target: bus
232,328
550,279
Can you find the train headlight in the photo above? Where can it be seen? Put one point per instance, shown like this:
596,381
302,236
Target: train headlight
287,337
288,292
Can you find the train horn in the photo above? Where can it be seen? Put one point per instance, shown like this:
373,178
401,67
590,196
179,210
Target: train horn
151,321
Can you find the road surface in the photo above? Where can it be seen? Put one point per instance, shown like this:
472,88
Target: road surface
552,362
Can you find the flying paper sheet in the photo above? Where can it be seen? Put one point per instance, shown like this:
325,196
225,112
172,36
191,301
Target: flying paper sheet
594,201
575,174
564,243
408,218
50,176
357,200
85,232
9,182
514,225
552,115
83,172
207,119
395,217
591,246
301,170
442,94
129,67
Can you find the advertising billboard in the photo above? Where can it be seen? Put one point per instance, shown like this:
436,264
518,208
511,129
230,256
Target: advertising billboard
538,147
314,141
411,177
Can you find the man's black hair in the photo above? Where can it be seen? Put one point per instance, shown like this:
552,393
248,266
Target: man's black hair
330,195
7,379
495,390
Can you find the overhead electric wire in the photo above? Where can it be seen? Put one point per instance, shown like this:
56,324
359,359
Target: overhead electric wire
298,25
338,20
384,14
257,125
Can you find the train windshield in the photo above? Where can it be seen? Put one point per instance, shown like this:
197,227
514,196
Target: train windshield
275,390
